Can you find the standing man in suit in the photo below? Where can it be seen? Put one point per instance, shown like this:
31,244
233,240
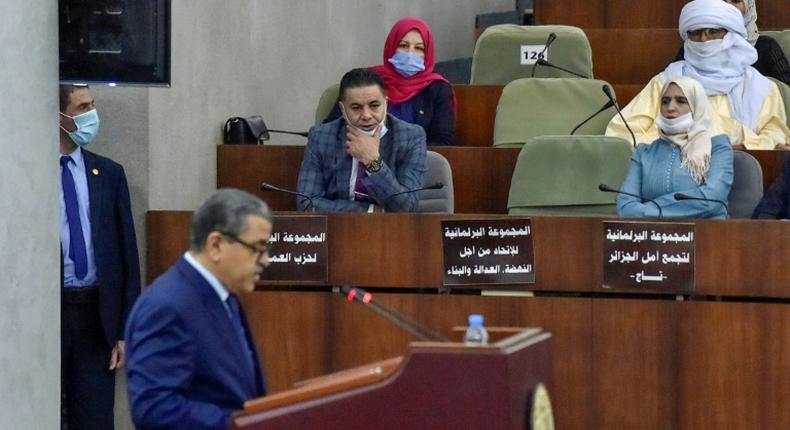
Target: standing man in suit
192,360
100,266
363,160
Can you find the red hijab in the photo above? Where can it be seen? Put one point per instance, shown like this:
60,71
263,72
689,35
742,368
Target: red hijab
400,88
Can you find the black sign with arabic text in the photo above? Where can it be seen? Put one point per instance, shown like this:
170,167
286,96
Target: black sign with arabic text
648,256
299,251
488,252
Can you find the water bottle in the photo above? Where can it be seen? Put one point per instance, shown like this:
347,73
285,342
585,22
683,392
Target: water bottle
476,334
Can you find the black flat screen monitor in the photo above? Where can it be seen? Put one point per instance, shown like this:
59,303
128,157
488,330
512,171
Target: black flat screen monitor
116,42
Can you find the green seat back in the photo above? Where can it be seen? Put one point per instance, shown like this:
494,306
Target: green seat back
497,59
783,37
784,90
559,175
326,103
540,107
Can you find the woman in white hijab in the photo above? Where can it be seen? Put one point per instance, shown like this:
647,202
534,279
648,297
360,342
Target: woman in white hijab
771,60
746,106
684,159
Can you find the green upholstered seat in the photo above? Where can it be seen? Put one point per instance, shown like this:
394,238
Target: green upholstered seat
497,59
784,90
783,37
559,175
326,103
554,106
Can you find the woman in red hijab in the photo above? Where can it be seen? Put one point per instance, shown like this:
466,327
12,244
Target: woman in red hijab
415,93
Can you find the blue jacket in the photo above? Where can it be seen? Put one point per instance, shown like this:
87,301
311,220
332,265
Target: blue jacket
114,242
433,108
326,169
656,174
183,358
775,204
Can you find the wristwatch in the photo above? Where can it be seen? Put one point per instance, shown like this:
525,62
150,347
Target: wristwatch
374,166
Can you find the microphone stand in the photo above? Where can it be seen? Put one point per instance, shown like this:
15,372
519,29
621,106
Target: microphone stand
607,189
606,90
295,133
416,329
265,186
606,106
681,196
543,62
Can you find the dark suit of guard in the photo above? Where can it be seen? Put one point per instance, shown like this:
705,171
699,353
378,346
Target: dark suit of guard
93,316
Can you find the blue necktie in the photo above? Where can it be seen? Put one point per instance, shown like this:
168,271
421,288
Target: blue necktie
77,251
235,316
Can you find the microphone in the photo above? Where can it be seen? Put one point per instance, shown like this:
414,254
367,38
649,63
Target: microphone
607,189
543,62
608,104
608,92
420,331
681,196
552,37
269,187
435,186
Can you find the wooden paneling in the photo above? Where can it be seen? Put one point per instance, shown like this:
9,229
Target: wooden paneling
617,363
167,238
481,176
639,14
404,251
632,56
734,366
635,352
475,113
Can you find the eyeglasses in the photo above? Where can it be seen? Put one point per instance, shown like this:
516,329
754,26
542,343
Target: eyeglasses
711,33
258,250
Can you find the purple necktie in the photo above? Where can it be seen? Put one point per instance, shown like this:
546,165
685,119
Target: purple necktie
77,251
360,190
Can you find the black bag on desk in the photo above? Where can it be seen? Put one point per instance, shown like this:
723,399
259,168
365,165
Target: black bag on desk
245,131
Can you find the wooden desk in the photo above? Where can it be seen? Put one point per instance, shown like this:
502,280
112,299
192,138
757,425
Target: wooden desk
635,361
568,252
481,176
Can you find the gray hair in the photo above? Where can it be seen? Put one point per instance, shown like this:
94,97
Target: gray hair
225,211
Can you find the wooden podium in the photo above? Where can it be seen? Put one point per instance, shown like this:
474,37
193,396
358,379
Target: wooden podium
435,385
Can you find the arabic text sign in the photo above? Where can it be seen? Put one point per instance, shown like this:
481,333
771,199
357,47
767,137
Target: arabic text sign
649,256
300,250
488,252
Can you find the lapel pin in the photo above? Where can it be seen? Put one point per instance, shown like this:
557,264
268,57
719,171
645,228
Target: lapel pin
95,172
422,112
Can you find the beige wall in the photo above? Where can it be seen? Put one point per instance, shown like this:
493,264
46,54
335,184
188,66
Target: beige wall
29,186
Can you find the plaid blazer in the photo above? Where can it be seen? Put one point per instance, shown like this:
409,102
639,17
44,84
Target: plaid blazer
326,169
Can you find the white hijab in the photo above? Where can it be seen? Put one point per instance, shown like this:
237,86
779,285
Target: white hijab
750,19
696,144
723,67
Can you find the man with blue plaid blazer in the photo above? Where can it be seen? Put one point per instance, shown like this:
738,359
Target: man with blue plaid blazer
366,160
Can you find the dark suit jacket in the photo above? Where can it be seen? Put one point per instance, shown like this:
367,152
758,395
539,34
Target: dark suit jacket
326,169
775,204
114,242
184,363
435,113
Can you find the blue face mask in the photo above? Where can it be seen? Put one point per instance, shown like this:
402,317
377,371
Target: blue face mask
407,64
87,127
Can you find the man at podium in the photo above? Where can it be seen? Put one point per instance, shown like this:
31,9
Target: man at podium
191,356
